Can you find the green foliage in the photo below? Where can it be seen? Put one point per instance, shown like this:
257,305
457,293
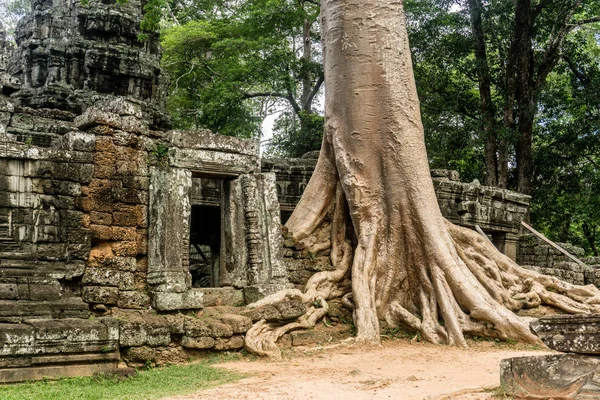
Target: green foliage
159,155
443,59
566,181
566,202
151,384
233,63
295,135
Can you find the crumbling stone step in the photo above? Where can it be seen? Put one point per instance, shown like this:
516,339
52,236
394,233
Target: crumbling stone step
18,311
570,333
40,348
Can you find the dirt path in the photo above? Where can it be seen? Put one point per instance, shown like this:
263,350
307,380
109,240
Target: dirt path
398,369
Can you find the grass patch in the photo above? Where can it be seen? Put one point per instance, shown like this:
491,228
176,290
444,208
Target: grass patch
151,384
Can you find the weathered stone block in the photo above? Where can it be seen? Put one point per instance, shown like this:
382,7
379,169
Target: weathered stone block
125,248
99,218
225,296
165,301
205,342
256,292
232,343
283,310
238,323
141,329
16,339
176,323
219,329
570,333
71,330
195,327
133,300
555,376
100,294
109,277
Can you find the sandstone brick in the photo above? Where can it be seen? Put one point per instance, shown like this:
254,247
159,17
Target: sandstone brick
204,342
100,294
124,219
99,218
232,343
238,323
124,233
125,248
101,232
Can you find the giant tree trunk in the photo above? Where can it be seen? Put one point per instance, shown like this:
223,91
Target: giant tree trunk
371,201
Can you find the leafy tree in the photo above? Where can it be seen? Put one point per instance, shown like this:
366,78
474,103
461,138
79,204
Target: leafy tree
567,147
491,60
232,63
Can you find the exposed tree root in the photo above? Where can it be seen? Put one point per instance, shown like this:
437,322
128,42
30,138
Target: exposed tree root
371,205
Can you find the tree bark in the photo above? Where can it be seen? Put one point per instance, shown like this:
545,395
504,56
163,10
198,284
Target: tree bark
371,203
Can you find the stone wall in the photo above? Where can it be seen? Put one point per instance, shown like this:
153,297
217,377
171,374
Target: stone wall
533,253
88,173
44,241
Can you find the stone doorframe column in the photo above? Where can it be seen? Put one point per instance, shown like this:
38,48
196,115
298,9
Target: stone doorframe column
251,240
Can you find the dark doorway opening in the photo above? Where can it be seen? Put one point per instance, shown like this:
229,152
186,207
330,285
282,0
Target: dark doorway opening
285,215
205,245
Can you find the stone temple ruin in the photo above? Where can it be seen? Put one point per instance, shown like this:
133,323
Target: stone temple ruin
115,231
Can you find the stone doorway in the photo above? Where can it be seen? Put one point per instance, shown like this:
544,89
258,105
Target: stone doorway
205,246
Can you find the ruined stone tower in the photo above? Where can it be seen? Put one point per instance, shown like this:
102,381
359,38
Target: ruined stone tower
69,56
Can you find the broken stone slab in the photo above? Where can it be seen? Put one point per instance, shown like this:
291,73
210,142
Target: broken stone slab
238,323
554,376
570,333
164,301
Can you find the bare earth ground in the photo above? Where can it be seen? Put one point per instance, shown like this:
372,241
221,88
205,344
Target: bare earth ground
398,369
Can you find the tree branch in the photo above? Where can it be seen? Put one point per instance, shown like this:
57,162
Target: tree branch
284,96
316,88
584,22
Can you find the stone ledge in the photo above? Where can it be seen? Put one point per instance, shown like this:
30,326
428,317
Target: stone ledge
53,372
164,301
225,296
570,333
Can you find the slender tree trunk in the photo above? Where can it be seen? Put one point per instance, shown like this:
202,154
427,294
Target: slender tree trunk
371,204
524,70
590,236
503,163
485,94
305,99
